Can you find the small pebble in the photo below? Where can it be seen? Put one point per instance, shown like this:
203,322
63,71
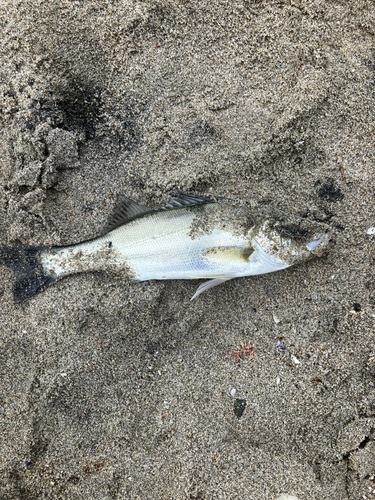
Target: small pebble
280,345
278,381
239,407
233,393
371,230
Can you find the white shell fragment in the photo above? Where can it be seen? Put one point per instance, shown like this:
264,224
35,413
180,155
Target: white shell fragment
285,496
233,393
295,360
278,381
276,319
371,230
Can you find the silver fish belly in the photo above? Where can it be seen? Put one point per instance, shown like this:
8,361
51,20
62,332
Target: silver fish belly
192,237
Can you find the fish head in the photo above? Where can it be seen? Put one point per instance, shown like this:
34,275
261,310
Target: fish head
283,243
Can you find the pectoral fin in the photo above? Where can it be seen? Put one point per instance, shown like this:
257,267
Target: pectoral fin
228,254
209,284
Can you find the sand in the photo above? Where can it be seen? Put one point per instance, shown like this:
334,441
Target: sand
111,389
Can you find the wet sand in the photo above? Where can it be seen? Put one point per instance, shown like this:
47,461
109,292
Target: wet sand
112,389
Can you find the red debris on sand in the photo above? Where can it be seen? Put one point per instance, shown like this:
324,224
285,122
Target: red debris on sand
244,348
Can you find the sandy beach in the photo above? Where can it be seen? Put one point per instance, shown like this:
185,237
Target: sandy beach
111,389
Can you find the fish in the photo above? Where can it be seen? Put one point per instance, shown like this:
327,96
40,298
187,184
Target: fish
191,237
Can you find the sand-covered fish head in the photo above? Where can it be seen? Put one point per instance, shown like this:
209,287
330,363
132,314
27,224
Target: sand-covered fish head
289,242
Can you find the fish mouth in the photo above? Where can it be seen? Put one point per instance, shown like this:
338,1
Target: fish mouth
286,252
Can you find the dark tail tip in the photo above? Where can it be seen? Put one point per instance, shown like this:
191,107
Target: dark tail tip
28,271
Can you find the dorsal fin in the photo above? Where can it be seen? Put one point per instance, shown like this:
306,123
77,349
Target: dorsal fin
127,210
182,200
124,211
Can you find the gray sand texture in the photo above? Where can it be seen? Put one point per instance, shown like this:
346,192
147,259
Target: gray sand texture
111,389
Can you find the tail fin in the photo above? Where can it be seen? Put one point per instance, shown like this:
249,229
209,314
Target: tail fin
28,271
